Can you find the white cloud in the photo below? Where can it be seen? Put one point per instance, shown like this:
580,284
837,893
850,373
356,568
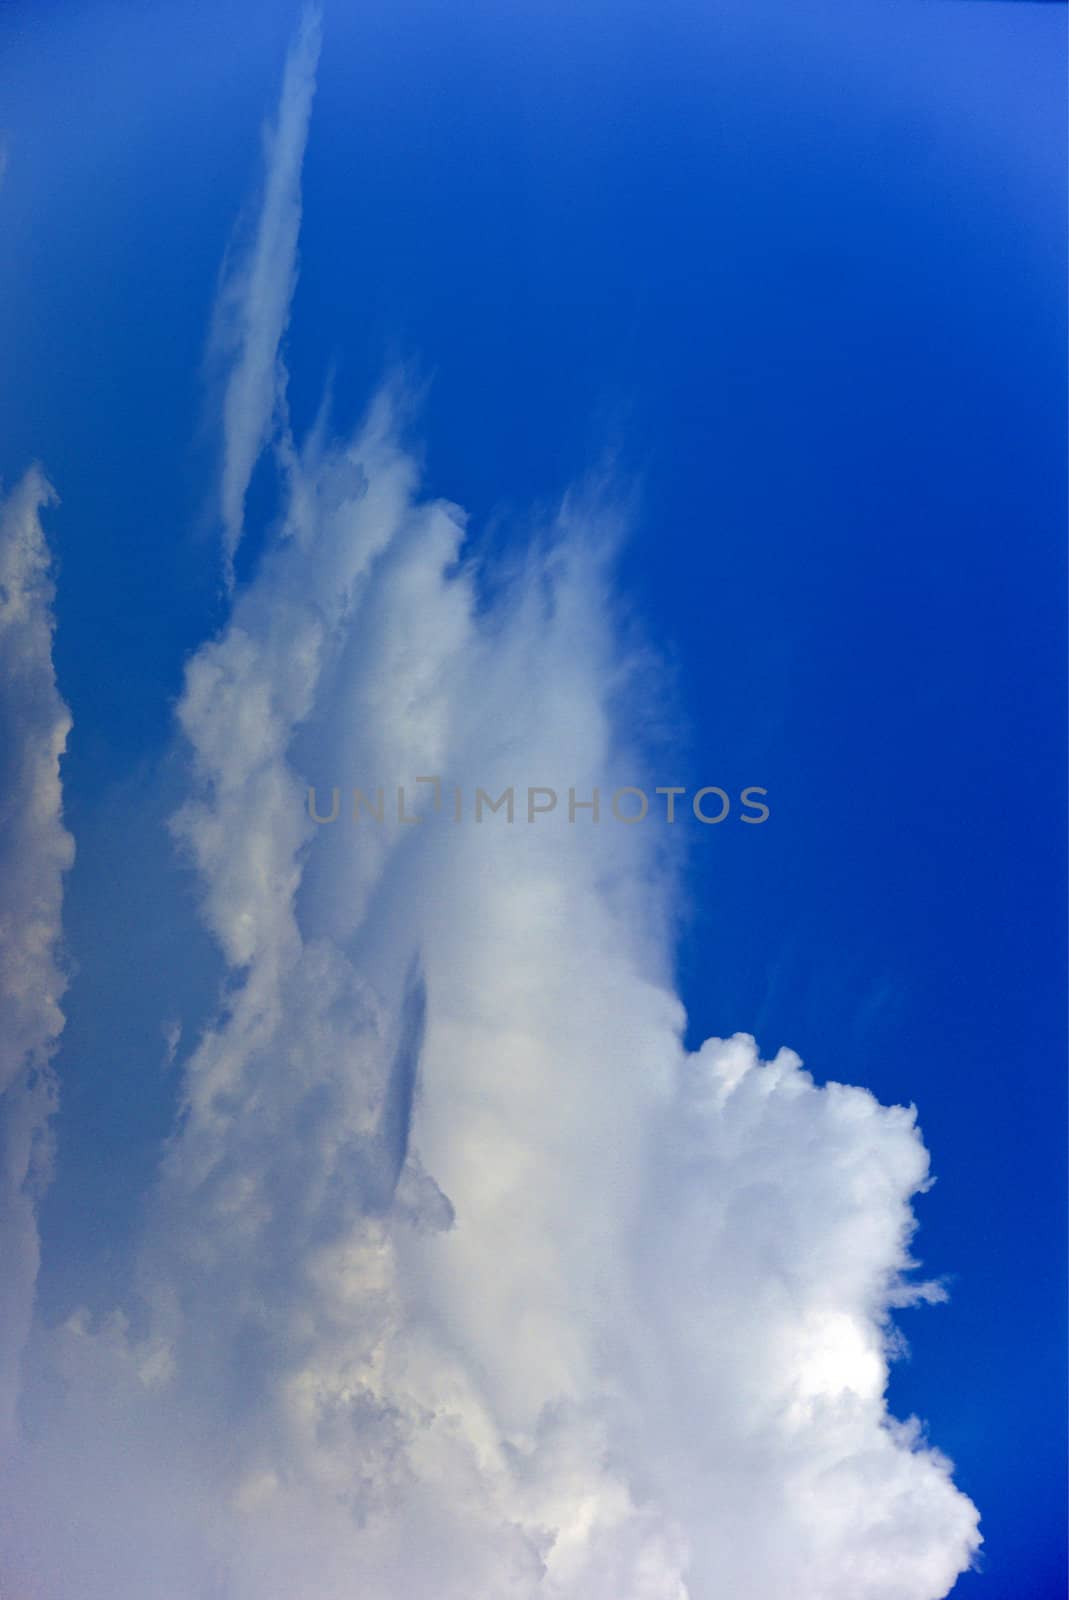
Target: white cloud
463,1278
255,294
35,850
576,1314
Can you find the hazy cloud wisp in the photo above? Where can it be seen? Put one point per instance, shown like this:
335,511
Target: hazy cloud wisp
254,299
35,850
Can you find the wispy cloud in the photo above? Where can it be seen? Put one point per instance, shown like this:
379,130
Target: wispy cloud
257,288
35,850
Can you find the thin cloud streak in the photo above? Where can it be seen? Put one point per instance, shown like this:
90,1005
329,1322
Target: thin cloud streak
257,288
35,851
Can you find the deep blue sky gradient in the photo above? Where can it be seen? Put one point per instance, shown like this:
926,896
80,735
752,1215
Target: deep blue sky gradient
802,273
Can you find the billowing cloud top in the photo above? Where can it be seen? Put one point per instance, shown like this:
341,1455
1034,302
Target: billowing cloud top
463,1278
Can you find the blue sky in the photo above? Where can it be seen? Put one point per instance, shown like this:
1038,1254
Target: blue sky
797,277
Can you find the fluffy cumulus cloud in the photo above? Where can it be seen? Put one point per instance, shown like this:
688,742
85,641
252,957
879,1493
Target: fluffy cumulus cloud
463,1277
35,849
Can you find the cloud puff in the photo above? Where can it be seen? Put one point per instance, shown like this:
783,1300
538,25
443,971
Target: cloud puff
462,1276
35,850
